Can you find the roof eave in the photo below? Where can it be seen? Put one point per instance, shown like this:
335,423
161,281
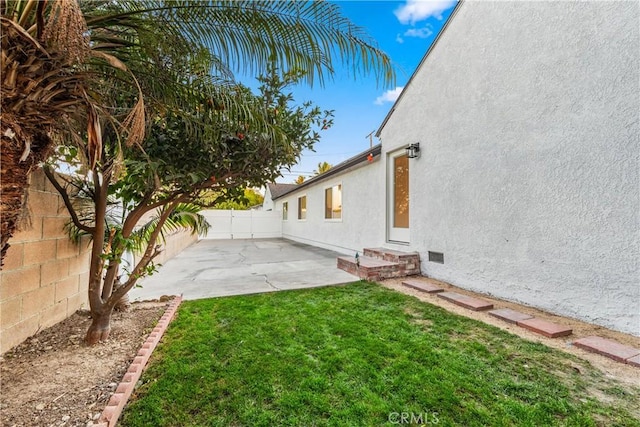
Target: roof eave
341,167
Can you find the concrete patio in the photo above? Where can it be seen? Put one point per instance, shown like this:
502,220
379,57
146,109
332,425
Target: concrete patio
216,268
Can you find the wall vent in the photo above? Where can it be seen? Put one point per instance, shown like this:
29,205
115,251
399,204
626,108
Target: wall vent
436,257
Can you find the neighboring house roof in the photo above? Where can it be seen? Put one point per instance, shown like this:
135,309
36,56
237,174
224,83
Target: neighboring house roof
422,61
340,167
278,190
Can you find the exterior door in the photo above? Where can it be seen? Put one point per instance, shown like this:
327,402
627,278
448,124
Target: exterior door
398,197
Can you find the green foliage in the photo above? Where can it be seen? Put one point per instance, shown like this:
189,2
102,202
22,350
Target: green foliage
174,161
322,168
183,216
177,171
176,51
249,199
352,356
245,35
160,120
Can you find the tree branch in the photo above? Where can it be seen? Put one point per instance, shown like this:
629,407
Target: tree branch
143,207
111,274
67,200
150,253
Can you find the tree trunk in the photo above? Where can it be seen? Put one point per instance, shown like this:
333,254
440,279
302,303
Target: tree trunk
13,185
100,308
14,177
100,326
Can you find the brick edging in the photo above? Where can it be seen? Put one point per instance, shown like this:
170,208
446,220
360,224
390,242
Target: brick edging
118,400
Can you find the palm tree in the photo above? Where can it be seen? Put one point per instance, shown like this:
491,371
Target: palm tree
299,180
322,168
56,59
40,85
103,67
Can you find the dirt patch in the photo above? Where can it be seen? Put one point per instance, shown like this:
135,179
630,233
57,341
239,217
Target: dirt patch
417,318
53,379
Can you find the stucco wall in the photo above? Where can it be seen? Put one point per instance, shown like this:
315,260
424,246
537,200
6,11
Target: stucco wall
362,223
268,204
45,276
528,119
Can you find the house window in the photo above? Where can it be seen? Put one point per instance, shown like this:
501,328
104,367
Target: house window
285,210
333,202
302,207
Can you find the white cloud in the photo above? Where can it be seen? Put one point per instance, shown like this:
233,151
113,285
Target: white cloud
419,10
399,38
421,33
389,96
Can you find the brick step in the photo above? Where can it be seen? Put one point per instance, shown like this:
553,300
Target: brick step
368,268
475,304
544,327
423,285
611,349
411,260
371,268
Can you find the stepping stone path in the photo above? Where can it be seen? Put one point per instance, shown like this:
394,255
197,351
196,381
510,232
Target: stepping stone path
509,315
544,327
611,349
475,304
427,287
539,326
635,361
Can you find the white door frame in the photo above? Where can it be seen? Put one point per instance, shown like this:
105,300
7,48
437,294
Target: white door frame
396,234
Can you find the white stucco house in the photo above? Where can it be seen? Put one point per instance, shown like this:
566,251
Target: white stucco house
526,185
273,191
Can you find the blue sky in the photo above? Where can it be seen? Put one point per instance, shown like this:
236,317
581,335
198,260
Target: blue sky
402,29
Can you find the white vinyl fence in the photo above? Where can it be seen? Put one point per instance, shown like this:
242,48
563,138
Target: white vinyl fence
232,224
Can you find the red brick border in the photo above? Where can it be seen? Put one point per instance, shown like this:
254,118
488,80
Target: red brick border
119,399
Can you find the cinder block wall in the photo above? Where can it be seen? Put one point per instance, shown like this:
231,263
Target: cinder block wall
45,276
174,244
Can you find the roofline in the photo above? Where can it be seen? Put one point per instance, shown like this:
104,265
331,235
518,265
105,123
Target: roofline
340,167
268,184
422,61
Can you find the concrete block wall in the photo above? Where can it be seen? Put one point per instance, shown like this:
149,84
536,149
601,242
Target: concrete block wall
45,276
174,244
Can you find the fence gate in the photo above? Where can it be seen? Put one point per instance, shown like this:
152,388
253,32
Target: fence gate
233,224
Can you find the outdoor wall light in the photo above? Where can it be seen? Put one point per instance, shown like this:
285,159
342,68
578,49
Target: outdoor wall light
413,150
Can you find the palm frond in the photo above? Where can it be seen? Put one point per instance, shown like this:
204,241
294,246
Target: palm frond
184,216
250,35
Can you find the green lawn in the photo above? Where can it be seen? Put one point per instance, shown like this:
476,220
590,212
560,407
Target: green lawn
362,355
